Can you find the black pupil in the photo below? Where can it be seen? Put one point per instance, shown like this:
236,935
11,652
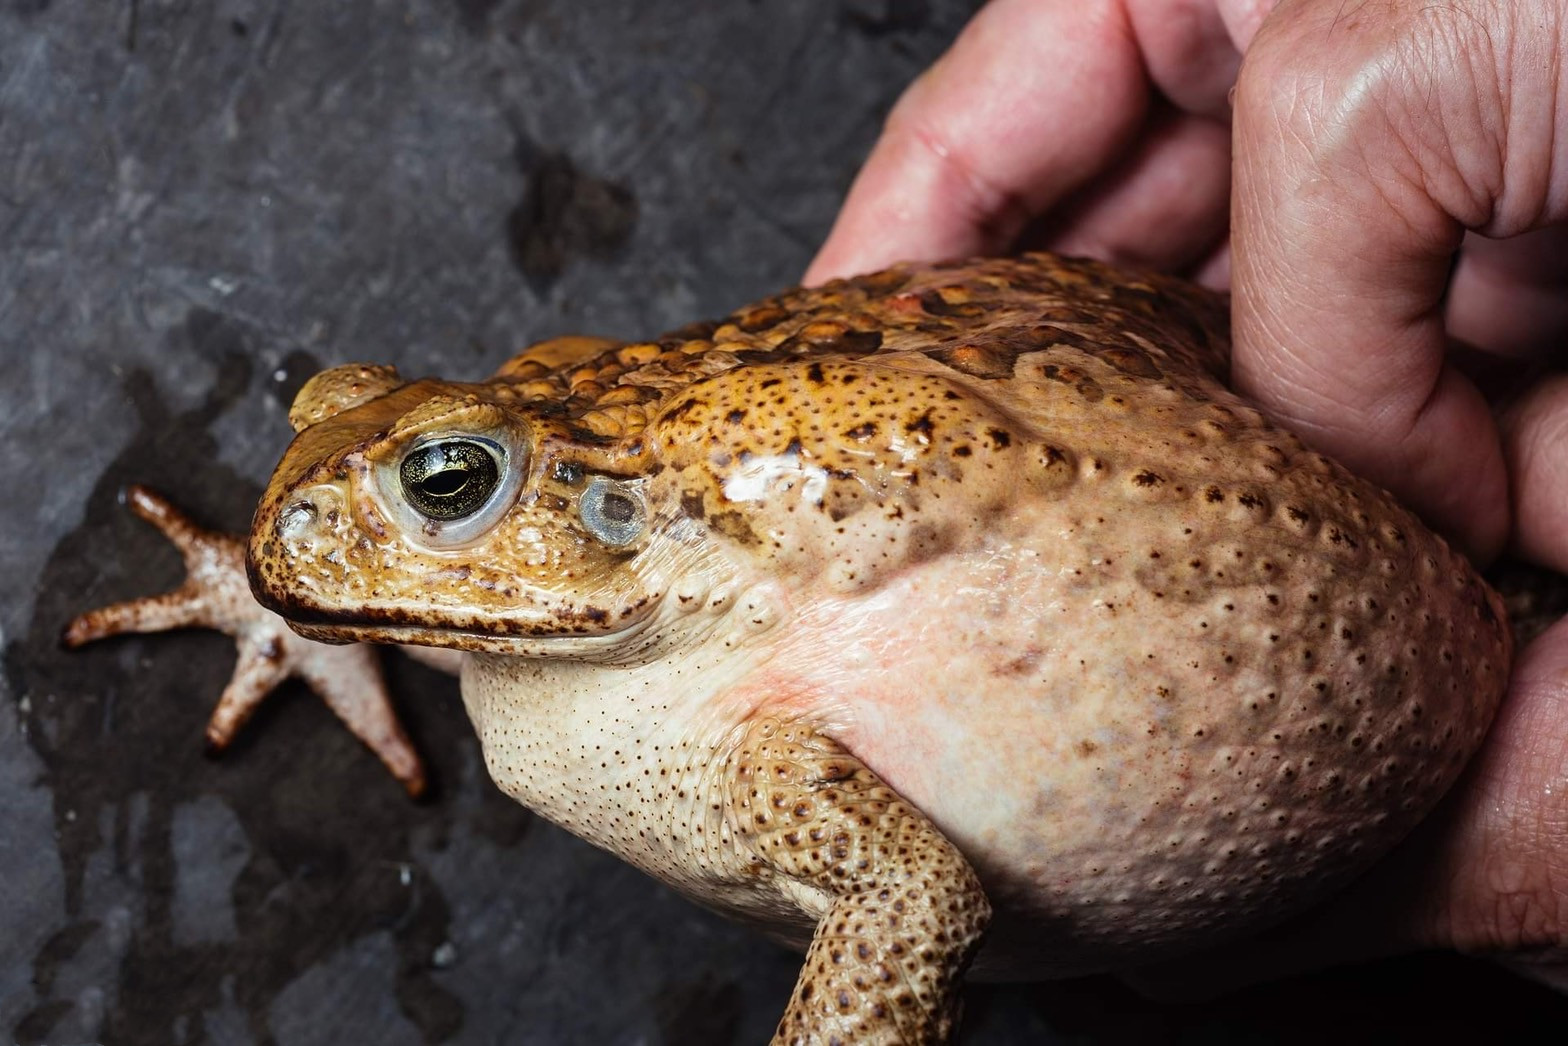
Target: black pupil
445,483
449,480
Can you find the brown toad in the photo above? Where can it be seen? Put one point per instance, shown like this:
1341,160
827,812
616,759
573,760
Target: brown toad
877,608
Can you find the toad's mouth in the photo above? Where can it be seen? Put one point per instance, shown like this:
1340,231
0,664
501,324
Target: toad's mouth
528,627
543,645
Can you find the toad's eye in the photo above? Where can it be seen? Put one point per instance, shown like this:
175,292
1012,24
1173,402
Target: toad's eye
450,479
612,511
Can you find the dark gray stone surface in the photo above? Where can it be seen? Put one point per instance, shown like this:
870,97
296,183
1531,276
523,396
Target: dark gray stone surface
201,204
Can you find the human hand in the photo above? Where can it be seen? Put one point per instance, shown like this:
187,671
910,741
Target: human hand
1400,180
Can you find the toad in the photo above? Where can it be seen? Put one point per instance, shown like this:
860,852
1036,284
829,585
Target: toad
949,615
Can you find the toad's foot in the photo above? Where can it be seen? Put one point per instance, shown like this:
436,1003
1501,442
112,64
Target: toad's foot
216,595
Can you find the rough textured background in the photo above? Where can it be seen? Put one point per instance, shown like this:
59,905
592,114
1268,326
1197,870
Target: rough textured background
202,203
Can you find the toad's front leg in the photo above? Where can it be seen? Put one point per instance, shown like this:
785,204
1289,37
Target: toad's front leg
217,595
905,912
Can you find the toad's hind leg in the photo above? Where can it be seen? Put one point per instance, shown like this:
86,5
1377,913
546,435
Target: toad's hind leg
904,910
216,595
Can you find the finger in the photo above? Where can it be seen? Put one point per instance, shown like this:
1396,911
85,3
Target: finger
1494,885
1511,296
1535,443
1166,207
1243,19
991,136
1214,271
1355,175
1191,51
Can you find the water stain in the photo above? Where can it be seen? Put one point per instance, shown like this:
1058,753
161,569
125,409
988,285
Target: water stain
564,214
701,1012
474,15
877,18
290,376
330,833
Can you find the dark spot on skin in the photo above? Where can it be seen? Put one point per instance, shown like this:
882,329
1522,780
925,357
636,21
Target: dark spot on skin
760,318
814,373
680,410
736,416
1213,495
1086,386
922,425
1147,479
933,303
846,343
735,526
1086,747
884,283
769,383
864,431
1250,501
1297,515
793,448
567,472
857,343
694,505
589,436
1131,361
1022,664
760,356
927,541
1000,440
962,451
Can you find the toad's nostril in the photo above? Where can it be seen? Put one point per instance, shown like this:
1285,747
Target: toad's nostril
310,515
296,520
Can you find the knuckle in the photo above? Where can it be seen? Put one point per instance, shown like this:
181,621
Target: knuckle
1409,82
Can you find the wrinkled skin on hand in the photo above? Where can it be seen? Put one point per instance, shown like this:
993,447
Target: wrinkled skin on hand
1375,182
